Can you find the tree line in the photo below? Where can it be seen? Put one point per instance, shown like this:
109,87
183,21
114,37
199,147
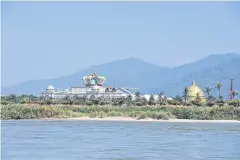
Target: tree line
138,100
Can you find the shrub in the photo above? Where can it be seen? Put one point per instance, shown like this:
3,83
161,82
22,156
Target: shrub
187,103
196,103
162,103
142,115
220,102
4,102
210,103
162,115
20,111
138,103
95,101
93,115
89,103
235,103
174,102
101,114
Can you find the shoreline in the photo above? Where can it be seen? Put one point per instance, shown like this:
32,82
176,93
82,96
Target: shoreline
130,119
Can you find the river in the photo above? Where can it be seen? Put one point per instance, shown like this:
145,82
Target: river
115,140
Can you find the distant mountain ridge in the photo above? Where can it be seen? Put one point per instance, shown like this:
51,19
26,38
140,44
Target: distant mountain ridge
147,77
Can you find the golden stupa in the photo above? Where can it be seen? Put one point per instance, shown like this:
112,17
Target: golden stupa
193,90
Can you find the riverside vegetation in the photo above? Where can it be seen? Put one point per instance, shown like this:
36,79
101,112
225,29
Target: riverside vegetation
32,107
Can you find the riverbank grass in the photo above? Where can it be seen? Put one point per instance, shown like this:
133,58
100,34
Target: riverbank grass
23,111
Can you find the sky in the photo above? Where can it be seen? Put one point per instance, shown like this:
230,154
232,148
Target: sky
52,39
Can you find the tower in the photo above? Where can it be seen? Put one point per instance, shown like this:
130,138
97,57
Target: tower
230,90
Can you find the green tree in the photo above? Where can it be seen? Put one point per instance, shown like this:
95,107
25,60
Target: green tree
33,99
137,95
120,101
76,98
212,98
68,100
128,99
208,91
12,98
198,97
177,100
196,102
151,100
160,97
234,93
219,87
220,102
21,97
3,98
49,101
185,94
41,99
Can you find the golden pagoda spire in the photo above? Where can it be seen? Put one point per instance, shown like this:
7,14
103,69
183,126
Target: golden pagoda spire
193,83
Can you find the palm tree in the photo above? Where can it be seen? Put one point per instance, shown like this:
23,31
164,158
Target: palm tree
208,91
234,93
219,86
185,94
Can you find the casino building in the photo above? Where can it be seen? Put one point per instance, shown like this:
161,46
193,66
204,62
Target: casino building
94,88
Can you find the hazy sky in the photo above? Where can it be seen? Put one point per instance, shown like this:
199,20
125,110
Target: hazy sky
51,39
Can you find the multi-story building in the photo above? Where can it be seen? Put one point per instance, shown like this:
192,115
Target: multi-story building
93,89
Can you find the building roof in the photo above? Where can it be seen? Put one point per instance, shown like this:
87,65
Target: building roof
50,87
193,90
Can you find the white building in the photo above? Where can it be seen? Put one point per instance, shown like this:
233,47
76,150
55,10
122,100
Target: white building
155,96
93,89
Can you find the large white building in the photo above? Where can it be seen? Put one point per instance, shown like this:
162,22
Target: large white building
93,89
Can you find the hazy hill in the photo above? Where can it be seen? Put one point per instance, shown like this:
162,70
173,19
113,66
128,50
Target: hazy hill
124,72
206,72
147,77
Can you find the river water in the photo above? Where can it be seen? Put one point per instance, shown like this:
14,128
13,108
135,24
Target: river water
112,140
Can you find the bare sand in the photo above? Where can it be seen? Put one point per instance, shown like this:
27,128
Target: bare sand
143,120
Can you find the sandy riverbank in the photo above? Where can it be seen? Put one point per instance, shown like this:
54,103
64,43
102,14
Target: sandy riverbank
143,120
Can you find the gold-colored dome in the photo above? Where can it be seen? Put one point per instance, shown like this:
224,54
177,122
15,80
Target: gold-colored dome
193,90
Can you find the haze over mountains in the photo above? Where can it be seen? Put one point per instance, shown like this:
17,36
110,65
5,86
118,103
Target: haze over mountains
149,78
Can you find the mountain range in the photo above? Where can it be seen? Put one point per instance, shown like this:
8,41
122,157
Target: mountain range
149,78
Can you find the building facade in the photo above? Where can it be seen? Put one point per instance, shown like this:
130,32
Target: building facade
94,88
